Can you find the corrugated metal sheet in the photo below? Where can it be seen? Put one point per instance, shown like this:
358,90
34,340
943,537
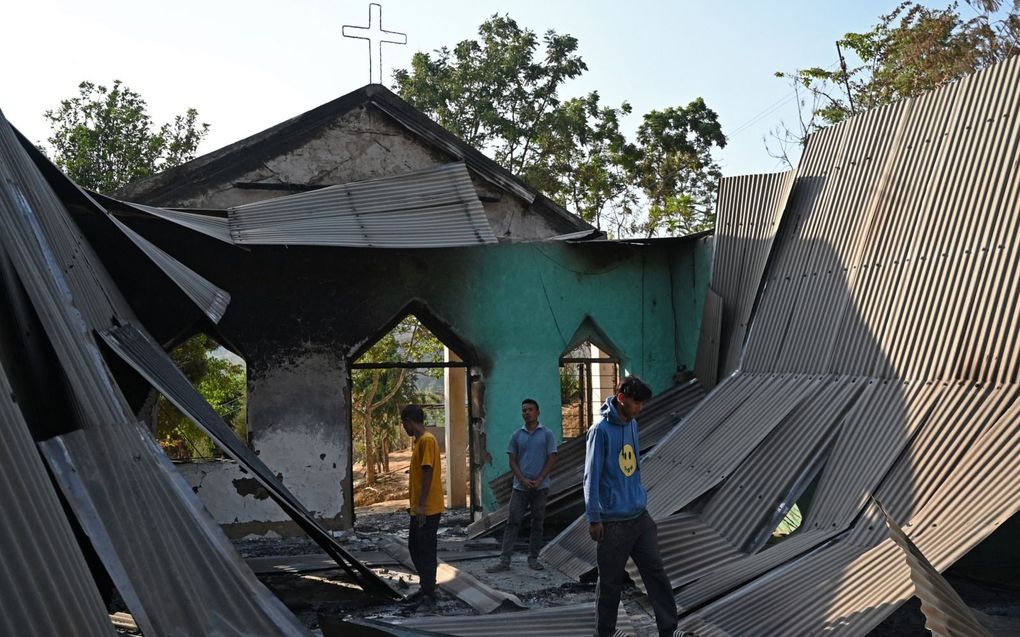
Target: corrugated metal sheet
478,595
149,360
882,359
747,216
706,362
71,292
123,488
168,559
562,621
431,208
209,225
661,413
45,584
209,298
945,612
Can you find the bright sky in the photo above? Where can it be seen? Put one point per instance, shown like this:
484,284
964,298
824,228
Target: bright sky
249,65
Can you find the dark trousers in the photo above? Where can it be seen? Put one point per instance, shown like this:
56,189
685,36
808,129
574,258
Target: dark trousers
421,544
637,539
520,502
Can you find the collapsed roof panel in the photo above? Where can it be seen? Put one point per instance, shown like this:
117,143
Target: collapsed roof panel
128,497
45,584
207,224
946,613
882,359
560,621
146,524
432,208
747,217
209,298
68,287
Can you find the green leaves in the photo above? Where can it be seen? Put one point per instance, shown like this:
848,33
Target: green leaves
675,168
500,94
224,386
912,50
104,138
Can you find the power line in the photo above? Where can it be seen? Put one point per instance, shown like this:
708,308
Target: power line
772,108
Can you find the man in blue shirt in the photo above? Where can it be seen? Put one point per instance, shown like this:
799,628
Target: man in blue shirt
615,501
532,452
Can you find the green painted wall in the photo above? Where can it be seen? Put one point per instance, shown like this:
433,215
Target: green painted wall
514,307
519,305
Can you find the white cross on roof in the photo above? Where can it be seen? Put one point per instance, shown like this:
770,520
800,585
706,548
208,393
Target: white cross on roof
376,36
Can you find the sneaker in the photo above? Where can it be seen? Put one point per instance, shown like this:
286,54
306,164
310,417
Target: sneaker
498,567
534,564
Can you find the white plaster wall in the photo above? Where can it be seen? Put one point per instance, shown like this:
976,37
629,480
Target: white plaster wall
297,419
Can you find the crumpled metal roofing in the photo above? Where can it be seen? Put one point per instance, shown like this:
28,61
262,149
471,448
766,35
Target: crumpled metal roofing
126,493
661,413
210,225
882,361
477,594
153,535
946,613
747,217
431,208
209,298
561,621
37,540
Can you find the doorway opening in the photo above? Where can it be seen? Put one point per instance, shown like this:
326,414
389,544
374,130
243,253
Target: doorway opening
408,364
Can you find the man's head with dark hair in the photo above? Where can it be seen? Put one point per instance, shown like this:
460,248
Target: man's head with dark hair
412,418
634,387
529,411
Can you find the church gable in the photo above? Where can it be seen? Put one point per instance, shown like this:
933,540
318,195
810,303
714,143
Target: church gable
367,134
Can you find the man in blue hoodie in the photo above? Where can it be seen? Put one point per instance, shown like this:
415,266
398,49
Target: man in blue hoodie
615,503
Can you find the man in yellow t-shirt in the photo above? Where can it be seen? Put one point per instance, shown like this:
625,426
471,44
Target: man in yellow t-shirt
426,499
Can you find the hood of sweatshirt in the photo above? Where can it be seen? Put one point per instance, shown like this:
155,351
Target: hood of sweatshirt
610,413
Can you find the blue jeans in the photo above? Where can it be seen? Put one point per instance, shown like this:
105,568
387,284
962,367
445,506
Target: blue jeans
520,502
637,539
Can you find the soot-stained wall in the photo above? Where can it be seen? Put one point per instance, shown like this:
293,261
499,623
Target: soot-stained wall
299,314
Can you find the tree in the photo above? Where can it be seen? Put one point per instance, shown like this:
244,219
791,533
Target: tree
675,169
378,394
221,382
104,138
588,164
911,50
495,95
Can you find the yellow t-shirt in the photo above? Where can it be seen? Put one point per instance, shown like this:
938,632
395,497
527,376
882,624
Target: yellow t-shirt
426,454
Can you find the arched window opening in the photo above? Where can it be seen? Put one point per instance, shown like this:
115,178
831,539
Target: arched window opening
221,377
588,376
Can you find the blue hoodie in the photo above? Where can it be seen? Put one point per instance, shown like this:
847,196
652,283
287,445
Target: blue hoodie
612,469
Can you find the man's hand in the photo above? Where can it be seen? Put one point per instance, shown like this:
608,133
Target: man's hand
420,515
596,531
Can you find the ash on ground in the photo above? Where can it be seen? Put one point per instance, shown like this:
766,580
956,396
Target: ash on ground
331,593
